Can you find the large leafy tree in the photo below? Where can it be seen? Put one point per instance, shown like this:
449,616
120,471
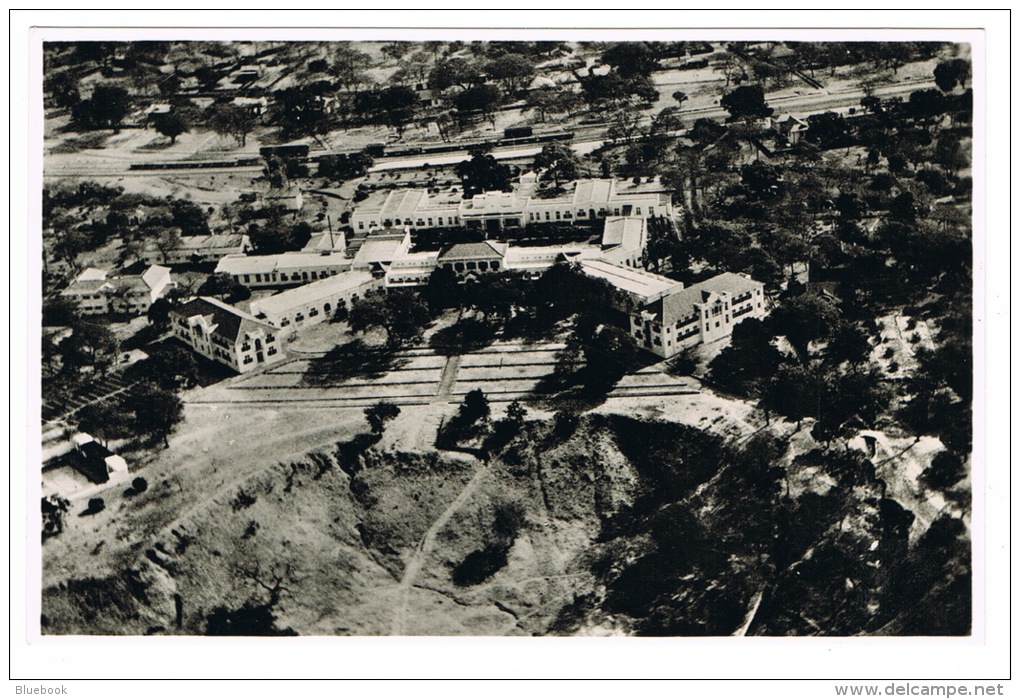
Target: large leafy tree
746,102
106,108
631,58
397,104
482,99
512,71
402,314
156,410
483,173
804,319
558,162
233,120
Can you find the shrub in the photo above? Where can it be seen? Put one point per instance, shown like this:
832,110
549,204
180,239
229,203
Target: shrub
96,505
242,500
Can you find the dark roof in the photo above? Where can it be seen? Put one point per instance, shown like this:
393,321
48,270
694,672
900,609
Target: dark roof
460,251
230,322
681,303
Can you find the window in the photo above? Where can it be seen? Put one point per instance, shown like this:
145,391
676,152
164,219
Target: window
495,265
580,213
472,265
430,221
247,359
312,312
651,211
458,266
638,211
270,338
246,346
284,322
717,323
361,225
271,351
299,317
557,215
327,307
547,217
247,279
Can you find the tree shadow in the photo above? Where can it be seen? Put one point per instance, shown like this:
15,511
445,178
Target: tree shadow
466,335
351,360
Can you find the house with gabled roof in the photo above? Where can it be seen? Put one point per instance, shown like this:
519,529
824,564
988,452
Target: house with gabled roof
226,334
97,292
468,260
704,312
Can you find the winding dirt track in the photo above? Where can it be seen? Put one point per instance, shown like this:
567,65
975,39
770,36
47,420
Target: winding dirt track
424,548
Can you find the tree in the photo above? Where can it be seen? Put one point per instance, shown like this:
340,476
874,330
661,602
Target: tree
402,314
454,72
746,102
749,359
512,71
475,406
348,66
106,108
157,411
557,161
945,471
189,217
949,74
396,50
631,58
379,414
483,99
225,287
680,96
171,125
848,344
794,391
233,120
300,111
617,89
343,166
172,367
515,413
483,173
89,344
62,88
609,354
804,319
54,508
167,241
398,103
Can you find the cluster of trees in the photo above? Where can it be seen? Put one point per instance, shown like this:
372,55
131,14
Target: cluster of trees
828,377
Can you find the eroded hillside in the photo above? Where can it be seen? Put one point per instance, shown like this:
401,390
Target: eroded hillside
578,525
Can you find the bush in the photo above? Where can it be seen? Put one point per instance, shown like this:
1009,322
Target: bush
242,500
139,485
96,505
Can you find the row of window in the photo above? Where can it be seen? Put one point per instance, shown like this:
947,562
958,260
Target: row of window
294,277
482,265
313,312
532,216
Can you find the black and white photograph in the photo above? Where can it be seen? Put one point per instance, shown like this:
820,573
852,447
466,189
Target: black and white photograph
557,334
